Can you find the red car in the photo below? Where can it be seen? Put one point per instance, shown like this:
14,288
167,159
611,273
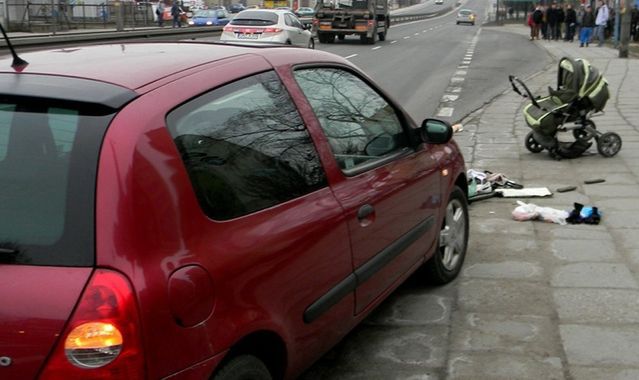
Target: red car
196,211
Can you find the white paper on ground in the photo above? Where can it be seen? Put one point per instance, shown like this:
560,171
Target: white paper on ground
524,193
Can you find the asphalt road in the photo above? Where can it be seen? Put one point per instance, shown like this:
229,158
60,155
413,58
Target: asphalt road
420,62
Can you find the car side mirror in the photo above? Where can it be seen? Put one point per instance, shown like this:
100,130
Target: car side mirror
435,131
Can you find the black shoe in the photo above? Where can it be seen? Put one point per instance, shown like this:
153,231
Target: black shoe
575,214
581,45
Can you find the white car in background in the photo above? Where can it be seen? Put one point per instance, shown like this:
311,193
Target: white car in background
439,1
268,25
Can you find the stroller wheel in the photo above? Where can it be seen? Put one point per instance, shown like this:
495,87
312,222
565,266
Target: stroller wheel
532,144
584,133
609,144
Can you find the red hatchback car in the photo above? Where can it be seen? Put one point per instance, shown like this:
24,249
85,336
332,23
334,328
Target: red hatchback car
196,211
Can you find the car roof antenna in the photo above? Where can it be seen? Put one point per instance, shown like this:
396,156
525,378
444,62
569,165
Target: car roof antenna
18,64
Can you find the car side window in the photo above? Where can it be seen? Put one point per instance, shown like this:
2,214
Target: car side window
245,147
360,125
291,20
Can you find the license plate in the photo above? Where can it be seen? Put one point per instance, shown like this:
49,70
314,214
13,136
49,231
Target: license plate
244,36
342,25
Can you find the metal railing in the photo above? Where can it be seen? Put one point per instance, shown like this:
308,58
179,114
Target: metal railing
56,15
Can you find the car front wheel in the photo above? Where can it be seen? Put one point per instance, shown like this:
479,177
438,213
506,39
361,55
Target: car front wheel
447,261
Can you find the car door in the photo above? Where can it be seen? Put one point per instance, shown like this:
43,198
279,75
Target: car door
295,30
388,188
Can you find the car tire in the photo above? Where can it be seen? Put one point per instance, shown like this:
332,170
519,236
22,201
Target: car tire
446,263
311,43
243,367
341,37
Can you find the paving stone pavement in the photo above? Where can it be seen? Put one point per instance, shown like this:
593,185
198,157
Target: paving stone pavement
534,300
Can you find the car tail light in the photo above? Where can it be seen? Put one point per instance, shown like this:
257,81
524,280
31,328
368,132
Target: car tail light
371,23
315,22
102,339
227,28
272,30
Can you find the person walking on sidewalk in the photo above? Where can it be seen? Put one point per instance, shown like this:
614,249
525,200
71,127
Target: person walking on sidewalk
159,11
176,12
561,17
587,23
553,19
571,23
602,21
535,22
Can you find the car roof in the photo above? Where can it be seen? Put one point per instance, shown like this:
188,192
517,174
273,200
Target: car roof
135,65
277,11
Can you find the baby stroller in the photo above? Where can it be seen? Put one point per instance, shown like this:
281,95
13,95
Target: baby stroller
581,92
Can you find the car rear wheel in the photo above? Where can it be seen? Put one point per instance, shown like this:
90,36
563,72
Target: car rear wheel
242,368
447,261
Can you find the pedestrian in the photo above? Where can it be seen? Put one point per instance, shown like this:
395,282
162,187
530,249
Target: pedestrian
159,11
176,12
544,22
537,18
634,24
553,19
601,21
587,23
561,16
571,23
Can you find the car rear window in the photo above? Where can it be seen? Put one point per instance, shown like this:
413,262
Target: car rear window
255,18
48,162
465,13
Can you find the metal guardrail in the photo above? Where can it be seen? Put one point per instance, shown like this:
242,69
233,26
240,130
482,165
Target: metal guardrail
101,35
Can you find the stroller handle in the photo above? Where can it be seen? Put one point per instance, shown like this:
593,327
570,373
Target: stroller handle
528,94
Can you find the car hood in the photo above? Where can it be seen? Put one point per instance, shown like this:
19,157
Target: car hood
36,303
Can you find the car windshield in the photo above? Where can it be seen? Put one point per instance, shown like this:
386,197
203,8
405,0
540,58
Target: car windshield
255,18
48,159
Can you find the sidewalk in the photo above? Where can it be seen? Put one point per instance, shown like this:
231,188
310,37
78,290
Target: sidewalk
543,301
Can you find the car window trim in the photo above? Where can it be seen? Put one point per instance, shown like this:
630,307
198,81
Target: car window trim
373,164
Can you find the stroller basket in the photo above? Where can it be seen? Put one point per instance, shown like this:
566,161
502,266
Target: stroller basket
581,92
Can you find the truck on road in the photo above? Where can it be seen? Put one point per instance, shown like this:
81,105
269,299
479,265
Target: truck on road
370,19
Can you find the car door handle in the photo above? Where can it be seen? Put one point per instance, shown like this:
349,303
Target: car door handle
365,211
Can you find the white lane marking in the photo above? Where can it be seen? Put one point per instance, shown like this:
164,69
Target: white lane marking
455,89
424,31
462,66
456,80
392,42
461,72
449,98
416,34
376,47
445,112
350,56
466,62
406,37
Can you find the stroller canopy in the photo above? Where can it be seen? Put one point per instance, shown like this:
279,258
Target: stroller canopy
577,75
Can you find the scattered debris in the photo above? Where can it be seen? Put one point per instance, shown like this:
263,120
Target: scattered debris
584,214
530,211
596,180
528,192
566,189
457,128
